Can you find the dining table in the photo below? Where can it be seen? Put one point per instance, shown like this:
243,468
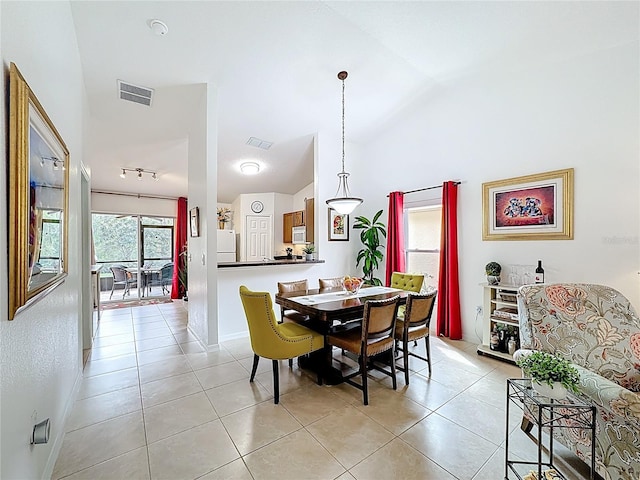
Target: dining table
332,310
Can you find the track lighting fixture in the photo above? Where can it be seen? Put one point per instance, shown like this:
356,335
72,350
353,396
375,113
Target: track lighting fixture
139,172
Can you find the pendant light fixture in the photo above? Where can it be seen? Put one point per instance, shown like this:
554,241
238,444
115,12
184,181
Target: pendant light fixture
343,202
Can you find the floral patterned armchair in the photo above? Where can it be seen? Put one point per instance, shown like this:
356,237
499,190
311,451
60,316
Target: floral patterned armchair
597,329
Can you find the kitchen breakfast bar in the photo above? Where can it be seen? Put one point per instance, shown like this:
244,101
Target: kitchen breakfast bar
262,276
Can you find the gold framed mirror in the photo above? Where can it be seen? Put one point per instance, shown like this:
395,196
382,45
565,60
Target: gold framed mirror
38,198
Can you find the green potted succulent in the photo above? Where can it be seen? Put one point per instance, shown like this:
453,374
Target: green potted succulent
551,375
370,256
493,269
308,251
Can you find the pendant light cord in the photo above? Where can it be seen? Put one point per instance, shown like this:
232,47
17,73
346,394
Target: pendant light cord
343,125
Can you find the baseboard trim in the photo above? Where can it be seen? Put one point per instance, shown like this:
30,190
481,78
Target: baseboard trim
59,439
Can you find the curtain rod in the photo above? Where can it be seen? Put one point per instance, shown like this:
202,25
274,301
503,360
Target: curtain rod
137,195
427,188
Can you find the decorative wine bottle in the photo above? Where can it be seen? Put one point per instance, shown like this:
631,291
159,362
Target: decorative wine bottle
539,277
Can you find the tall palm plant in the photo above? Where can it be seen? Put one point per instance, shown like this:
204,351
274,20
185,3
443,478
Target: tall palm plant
370,255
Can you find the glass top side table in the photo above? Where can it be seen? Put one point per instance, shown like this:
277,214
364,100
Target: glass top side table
571,412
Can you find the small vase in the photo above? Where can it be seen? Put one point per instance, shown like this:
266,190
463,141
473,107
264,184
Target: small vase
493,279
309,257
557,391
221,225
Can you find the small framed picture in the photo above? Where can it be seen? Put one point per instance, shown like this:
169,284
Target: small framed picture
194,222
338,226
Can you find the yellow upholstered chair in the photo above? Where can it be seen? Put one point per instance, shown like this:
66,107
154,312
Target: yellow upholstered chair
414,325
272,340
375,336
296,286
406,281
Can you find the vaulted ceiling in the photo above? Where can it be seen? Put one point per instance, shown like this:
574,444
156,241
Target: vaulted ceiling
273,66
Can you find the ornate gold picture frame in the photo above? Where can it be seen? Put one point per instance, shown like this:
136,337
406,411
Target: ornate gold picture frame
38,198
532,207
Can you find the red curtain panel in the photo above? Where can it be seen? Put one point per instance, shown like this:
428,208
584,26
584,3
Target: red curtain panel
180,258
448,322
395,236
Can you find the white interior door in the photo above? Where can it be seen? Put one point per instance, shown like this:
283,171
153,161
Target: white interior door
258,237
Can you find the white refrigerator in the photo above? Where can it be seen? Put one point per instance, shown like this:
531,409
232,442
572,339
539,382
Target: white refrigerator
226,245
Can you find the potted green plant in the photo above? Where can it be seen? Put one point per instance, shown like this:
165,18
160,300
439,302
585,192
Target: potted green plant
551,375
493,269
308,250
370,255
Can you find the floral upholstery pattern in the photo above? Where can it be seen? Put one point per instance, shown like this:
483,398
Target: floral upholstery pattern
597,329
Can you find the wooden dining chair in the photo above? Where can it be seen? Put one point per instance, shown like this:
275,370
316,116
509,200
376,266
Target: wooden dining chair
330,282
296,286
410,282
272,340
414,325
375,336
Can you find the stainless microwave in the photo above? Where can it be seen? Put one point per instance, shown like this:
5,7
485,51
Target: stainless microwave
298,235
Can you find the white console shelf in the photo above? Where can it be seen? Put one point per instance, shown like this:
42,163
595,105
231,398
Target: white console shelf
494,298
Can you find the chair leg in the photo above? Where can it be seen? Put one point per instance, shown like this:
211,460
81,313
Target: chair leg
394,380
112,289
426,341
365,390
256,359
405,356
291,363
276,383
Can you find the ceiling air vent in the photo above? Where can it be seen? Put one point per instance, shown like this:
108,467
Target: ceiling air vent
256,142
134,93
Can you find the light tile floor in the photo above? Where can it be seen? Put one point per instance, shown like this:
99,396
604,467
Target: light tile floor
154,405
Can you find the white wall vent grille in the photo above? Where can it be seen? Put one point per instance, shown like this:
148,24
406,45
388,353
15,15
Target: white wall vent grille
256,142
134,93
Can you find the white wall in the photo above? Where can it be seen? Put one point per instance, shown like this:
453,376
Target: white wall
282,203
40,348
580,113
131,205
300,196
202,194
342,255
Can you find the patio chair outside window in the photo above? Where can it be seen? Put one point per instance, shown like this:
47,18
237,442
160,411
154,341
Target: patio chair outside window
124,278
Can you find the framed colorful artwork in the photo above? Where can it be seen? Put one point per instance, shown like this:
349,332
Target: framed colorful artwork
194,221
533,207
338,226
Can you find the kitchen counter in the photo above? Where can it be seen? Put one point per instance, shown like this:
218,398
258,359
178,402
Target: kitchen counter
267,263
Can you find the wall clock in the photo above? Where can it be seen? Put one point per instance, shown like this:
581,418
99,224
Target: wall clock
257,207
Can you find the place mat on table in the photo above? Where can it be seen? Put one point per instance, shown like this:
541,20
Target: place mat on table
335,296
